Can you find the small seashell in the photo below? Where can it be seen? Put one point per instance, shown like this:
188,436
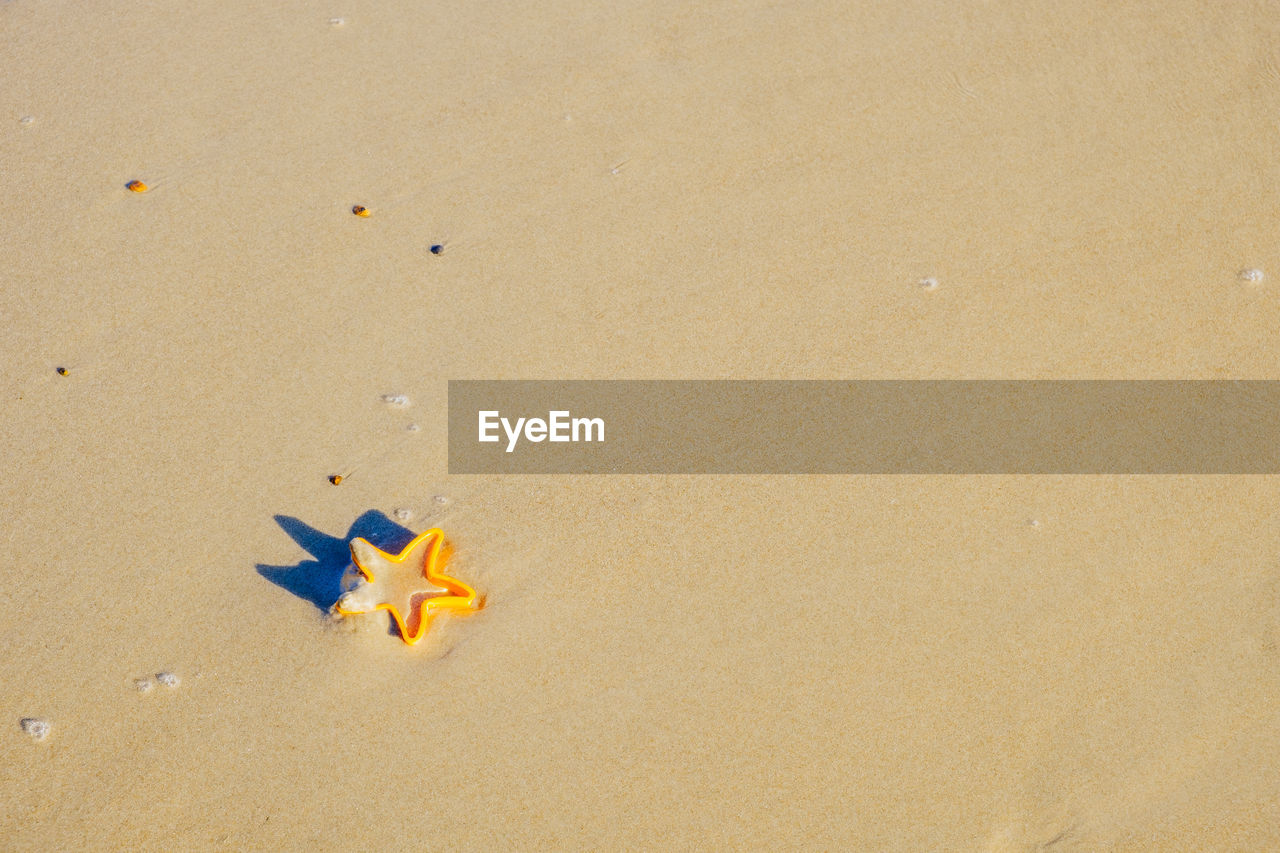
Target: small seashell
136,186
360,210
37,728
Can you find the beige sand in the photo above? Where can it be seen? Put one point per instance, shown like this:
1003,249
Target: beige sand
658,190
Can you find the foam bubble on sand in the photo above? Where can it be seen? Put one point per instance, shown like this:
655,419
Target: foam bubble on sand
399,401
37,728
928,283
168,679
1251,275
143,685
403,514
27,121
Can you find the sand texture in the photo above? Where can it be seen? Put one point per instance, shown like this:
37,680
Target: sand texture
629,190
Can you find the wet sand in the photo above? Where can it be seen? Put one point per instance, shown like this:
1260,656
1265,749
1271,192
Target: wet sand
652,191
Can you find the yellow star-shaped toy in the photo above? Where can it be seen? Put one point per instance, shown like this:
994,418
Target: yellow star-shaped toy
410,584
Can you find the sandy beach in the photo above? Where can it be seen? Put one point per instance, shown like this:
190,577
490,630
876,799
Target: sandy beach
642,190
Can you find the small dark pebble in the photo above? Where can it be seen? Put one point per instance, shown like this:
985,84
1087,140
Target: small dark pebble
437,249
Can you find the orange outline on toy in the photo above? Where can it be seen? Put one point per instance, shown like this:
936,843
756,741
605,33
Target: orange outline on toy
463,597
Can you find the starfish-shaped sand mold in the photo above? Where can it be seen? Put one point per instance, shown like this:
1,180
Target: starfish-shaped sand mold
410,584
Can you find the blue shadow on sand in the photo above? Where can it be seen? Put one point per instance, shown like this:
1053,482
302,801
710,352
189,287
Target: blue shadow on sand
320,580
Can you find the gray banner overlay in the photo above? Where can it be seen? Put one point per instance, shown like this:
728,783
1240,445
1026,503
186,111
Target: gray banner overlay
864,427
